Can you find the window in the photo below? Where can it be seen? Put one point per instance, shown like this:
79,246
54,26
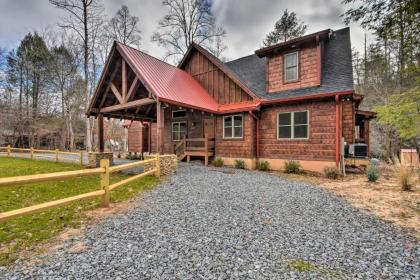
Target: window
291,67
232,127
293,125
179,130
179,114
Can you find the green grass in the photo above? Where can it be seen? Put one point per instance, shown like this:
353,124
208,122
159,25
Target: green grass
25,232
301,265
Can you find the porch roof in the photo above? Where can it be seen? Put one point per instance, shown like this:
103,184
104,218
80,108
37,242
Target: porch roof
167,82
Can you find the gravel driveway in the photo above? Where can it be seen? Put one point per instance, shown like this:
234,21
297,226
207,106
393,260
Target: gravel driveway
207,224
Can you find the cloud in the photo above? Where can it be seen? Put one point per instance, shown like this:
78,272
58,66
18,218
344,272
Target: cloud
246,21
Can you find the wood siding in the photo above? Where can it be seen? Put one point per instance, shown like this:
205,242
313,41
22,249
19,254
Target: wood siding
308,71
135,137
321,142
348,121
223,89
236,148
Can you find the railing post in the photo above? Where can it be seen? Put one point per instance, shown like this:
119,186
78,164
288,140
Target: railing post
56,155
81,158
9,150
158,165
104,163
185,143
32,152
206,147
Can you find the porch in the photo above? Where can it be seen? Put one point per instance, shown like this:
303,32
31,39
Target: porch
195,147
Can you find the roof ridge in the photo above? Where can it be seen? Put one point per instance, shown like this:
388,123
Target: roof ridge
149,55
239,58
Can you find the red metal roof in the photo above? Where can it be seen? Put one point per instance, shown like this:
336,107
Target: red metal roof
167,82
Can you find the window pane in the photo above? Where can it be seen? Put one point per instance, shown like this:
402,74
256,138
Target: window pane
285,118
301,131
175,136
291,74
228,132
175,127
301,118
182,130
238,120
291,60
179,114
228,122
238,131
285,131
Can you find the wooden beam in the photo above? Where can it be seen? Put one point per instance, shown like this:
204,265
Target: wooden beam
117,93
124,80
111,78
101,133
132,89
159,130
127,105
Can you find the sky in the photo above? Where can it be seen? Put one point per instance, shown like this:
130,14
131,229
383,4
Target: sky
246,21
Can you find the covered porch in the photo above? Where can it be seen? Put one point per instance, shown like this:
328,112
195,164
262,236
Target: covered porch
135,86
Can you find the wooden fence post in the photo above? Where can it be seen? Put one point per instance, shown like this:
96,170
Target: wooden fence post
56,155
104,163
32,152
9,150
158,165
81,158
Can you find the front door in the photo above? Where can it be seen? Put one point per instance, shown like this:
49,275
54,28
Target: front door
208,127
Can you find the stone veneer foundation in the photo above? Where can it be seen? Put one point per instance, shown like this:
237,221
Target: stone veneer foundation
94,158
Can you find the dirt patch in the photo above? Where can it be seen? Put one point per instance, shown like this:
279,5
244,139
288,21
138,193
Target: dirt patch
383,198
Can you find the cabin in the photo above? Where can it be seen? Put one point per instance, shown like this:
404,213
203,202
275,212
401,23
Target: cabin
291,101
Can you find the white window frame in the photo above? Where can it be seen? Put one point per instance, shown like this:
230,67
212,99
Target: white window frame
297,67
232,117
182,110
179,131
292,125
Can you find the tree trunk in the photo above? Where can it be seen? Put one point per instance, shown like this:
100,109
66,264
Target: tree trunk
86,57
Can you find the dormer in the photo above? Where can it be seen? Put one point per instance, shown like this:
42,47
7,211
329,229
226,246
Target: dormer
295,63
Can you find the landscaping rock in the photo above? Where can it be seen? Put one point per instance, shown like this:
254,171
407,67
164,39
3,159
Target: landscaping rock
205,224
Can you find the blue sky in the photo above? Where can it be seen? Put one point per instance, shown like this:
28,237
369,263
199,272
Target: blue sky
246,21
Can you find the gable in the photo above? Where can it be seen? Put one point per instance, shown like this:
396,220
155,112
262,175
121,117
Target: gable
219,81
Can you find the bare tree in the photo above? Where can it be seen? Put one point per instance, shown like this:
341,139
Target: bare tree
187,21
124,27
218,48
82,15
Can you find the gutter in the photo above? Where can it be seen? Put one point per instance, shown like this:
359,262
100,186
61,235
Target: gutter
302,98
337,130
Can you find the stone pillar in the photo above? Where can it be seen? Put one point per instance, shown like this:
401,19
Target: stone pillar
168,163
94,159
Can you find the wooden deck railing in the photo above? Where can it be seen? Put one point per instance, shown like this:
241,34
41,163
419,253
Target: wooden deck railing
105,188
33,153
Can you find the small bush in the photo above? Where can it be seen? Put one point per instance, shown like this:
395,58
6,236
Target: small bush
263,165
240,164
292,166
218,162
331,172
405,175
372,174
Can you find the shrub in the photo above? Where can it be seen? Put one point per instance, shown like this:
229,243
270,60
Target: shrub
240,164
405,175
263,165
372,174
218,162
331,172
292,166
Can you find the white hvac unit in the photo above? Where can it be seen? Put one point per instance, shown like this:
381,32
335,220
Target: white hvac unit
358,150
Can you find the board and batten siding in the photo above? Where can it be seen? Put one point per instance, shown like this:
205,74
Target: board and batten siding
223,89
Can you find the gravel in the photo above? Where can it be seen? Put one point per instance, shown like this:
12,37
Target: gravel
206,223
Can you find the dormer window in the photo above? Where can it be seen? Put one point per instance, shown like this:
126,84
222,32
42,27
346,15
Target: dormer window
291,67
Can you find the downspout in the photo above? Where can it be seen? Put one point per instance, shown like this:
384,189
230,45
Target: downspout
257,134
337,130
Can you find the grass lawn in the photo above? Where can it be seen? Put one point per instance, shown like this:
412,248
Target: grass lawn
25,232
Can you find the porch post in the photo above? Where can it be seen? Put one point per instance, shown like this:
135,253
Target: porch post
101,133
160,127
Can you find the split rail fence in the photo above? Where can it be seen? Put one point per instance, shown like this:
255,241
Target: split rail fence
37,153
103,171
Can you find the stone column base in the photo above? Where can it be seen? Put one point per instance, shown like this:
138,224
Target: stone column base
168,163
94,159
